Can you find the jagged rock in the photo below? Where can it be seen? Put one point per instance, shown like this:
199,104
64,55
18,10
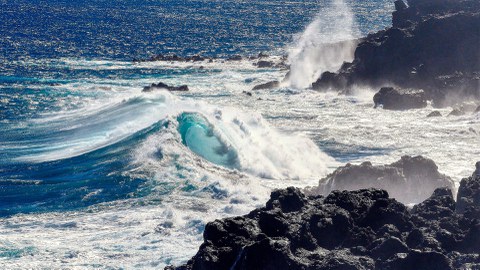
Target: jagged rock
329,80
440,204
262,55
477,170
268,85
387,211
265,64
434,114
456,112
161,57
400,5
409,180
389,248
468,196
363,229
417,260
235,58
288,200
247,93
432,45
395,99
161,85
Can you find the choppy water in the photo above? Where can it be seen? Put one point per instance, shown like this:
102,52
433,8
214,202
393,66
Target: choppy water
96,174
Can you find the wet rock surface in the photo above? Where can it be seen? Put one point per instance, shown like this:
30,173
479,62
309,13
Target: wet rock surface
409,180
268,85
457,112
432,45
400,99
262,60
435,114
363,229
160,85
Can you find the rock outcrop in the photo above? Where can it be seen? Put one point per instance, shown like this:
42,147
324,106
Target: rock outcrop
174,58
363,229
432,45
434,114
161,85
409,180
457,112
400,99
262,60
268,85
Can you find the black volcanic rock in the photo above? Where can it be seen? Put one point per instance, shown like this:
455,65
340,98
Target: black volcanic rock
268,85
265,64
409,180
468,197
456,112
432,45
161,85
399,99
235,58
363,229
434,114
417,260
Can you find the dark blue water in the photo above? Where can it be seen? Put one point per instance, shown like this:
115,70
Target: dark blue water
39,36
123,29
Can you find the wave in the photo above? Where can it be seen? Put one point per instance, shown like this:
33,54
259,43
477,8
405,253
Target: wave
138,144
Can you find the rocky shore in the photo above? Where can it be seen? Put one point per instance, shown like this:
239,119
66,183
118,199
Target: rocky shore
408,180
362,229
432,46
262,60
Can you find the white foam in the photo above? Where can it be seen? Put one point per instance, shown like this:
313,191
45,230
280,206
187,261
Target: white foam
274,131
324,45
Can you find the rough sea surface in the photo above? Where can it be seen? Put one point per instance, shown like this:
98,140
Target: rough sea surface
96,174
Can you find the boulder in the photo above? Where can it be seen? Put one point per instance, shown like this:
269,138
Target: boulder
161,85
398,99
457,112
468,196
235,58
409,180
265,64
434,114
262,55
417,260
268,85
388,248
247,93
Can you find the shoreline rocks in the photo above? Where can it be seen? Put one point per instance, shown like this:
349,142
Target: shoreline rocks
435,114
262,60
362,229
268,85
408,180
399,99
432,45
160,85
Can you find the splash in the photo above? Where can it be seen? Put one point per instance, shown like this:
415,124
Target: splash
223,136
324,45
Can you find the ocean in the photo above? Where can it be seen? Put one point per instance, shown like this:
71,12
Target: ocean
96,174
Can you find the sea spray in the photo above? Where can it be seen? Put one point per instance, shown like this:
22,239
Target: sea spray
224,136
325,44
238,140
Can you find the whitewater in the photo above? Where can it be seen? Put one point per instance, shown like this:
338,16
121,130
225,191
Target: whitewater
111,177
